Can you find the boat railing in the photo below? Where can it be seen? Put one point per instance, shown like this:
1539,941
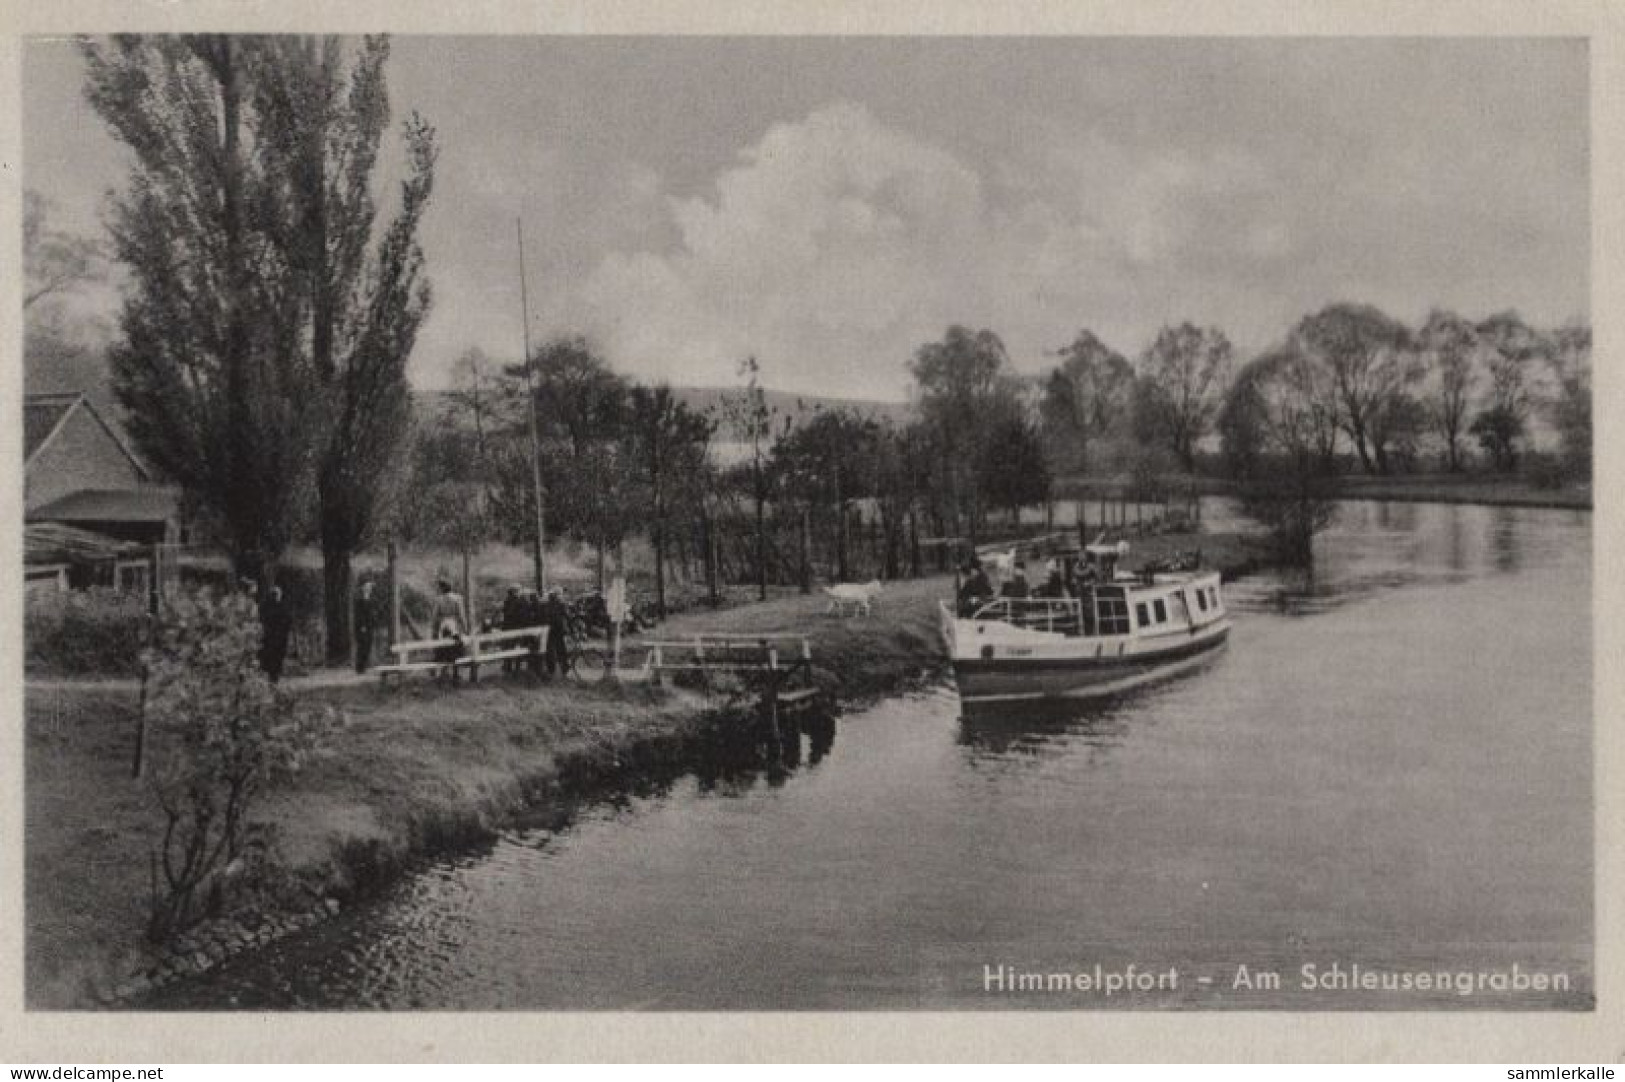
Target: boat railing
1064,615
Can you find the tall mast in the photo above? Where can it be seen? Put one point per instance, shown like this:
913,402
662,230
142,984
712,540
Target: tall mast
535,442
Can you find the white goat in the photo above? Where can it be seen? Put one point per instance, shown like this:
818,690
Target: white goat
858,595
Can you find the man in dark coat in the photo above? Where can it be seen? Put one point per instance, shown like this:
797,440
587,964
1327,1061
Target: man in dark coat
557,618
365,624
976,589
513,617
276,625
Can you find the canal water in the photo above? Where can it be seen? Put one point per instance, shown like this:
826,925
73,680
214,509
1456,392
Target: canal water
1386,777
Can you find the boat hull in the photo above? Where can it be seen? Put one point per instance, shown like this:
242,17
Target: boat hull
1006,679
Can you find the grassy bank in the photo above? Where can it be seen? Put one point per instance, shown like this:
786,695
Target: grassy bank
412,772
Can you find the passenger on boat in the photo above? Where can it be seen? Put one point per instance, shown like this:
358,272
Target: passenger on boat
1054,585
976,588
1016,585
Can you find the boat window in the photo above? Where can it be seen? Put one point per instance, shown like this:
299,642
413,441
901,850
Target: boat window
1201,600
1141,615
1213,595
1111,612
1162,610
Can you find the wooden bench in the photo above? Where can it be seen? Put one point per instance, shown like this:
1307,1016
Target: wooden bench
480,648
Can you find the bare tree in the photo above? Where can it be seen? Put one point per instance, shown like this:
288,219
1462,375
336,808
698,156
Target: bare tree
1085,398
1289,487
749,416
1513,349
1372,366
1181,387
1452,344
54,262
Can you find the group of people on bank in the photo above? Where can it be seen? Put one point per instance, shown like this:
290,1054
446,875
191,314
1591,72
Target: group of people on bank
521,608
448,619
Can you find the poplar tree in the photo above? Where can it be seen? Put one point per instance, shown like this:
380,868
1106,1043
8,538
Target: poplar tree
324,115
209,366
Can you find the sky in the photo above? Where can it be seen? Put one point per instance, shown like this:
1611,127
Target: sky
827,205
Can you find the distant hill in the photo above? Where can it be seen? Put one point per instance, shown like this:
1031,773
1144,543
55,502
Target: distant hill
788,403
433,403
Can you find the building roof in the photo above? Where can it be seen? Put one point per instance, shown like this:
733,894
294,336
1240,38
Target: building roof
151,504
53,543
45,414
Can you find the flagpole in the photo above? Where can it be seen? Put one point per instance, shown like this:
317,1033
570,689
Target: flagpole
535,442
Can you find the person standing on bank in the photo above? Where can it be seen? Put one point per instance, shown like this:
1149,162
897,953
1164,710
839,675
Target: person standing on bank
557,618
366,620
276,624
450,616
513,617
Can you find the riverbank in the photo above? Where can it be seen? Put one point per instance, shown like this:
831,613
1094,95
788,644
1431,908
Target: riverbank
1484,489
1488,489
410,773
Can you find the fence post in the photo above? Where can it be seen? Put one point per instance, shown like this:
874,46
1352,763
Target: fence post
394,595
708,538
914,541
806,551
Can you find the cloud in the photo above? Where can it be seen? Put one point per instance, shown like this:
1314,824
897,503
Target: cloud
836,244
824,244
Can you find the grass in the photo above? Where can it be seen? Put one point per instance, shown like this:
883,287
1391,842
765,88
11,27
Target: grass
409,772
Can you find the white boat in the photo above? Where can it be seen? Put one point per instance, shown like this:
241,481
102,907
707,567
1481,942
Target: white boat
1120,631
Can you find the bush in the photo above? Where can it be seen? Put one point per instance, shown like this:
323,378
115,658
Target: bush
218,733
1549,472
85,632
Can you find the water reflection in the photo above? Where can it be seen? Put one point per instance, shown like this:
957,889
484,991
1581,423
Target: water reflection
1504,542
1455,532
1040,727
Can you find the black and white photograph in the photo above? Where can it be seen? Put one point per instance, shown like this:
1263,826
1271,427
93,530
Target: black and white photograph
571,522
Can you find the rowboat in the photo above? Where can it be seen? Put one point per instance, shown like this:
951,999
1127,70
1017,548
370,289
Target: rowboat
1116,631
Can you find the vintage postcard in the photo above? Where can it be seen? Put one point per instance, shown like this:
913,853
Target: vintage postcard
1039,535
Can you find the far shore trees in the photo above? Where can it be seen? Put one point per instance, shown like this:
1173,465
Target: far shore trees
669,443
1274,408
1451,343
1512,348
750,419
1571,364
582,414
964,387
825,461
1373,369
1180,387
1085,399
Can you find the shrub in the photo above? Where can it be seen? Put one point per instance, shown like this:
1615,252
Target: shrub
1548,472
85,632
217,733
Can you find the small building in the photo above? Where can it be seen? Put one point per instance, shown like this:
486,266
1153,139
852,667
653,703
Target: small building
93,512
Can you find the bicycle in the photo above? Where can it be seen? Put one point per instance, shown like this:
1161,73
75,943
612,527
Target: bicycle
583,663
